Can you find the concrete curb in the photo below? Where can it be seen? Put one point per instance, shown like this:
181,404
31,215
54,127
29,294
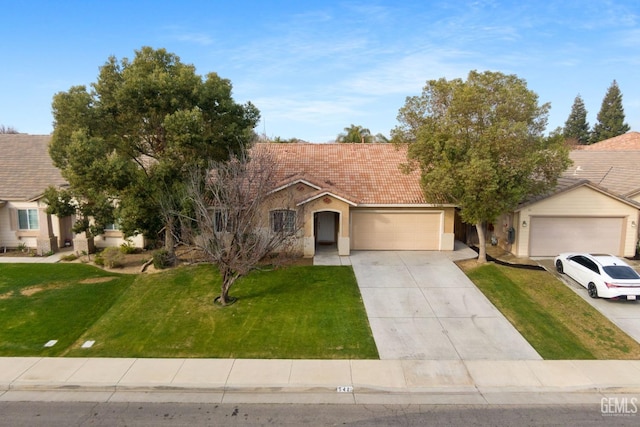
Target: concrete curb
318,381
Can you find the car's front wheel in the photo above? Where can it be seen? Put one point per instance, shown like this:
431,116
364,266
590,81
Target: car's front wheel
593,291
559,267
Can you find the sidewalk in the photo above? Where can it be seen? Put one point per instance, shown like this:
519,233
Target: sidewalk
317,381
51,259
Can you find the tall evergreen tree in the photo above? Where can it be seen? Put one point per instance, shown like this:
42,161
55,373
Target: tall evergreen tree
576,127
611,116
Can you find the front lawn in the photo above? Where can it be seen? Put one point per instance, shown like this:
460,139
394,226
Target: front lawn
555,321
295,312
43,302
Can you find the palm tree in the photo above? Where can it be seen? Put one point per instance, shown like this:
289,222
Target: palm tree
355,134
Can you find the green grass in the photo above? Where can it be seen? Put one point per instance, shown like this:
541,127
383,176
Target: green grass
555,321
40,302
297,312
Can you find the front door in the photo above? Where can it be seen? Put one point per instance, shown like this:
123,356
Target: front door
326,228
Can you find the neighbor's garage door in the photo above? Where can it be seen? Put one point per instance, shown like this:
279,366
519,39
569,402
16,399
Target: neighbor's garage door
375,230
553,235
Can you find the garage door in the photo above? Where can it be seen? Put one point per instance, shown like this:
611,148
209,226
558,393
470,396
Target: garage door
553,235
378,230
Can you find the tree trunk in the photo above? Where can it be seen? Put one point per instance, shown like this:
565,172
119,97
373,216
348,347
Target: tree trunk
482,243
228,279
169,241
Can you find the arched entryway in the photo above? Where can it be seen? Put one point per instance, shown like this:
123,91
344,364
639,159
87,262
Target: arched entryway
326,229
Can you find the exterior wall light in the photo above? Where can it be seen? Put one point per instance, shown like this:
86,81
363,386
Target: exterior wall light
524,224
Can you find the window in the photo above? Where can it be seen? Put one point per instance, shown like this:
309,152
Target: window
585,262
28,219
283,221
621,272
111,227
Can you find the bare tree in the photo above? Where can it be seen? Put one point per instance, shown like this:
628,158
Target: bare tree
7,129
238,219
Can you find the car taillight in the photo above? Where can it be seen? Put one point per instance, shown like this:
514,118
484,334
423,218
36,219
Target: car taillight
611,285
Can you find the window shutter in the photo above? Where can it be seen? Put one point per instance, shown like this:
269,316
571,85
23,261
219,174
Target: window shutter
13,219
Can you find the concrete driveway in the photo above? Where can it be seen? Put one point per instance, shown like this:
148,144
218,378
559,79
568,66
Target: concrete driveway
624,314
422,306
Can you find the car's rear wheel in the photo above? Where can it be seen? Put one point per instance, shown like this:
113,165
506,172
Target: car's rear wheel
593,291
559,267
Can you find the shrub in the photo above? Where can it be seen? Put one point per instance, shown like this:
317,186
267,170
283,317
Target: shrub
128,248
161,259
113,257
70,257
98,260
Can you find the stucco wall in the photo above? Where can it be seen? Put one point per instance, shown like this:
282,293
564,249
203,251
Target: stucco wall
582,201
11,237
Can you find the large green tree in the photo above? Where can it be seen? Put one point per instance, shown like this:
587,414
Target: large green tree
143,125
576,128
611,116
479,144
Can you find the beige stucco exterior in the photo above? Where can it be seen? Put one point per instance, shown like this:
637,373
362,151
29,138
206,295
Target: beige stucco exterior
582,202
309,202
49,235
52,232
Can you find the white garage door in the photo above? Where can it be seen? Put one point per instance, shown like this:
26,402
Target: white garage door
379,230
553,235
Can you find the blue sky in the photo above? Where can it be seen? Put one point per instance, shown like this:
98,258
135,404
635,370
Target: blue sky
315,67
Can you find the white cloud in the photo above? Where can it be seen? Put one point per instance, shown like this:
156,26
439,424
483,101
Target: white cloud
181,34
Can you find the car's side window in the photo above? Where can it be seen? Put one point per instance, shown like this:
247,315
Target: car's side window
578,260
592,266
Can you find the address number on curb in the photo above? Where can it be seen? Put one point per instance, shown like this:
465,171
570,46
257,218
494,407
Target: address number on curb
345,389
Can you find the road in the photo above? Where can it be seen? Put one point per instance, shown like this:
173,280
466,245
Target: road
53,414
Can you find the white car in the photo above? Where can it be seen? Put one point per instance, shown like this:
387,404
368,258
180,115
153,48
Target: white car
604,276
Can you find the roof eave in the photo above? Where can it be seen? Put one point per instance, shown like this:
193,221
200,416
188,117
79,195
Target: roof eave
407,205
292,183
326,193
580,183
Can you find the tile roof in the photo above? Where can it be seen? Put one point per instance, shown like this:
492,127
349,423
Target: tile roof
367,174
26,169
630,141
617,171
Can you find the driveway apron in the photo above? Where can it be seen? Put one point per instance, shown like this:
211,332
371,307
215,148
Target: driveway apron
422,306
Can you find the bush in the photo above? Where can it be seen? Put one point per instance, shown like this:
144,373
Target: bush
98,260
113,258
128,248
161,259
70,257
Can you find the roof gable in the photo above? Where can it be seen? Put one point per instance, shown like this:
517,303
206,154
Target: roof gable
568,184
365,174
26,169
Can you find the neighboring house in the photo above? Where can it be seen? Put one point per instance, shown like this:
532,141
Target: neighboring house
26,170
356,197
594,207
